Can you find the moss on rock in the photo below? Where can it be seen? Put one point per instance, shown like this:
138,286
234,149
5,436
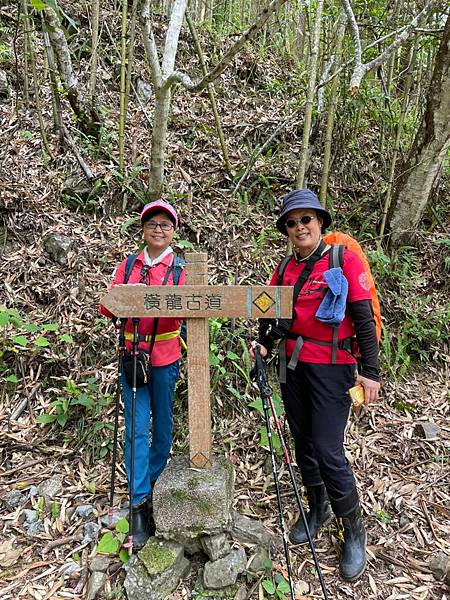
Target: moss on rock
157,557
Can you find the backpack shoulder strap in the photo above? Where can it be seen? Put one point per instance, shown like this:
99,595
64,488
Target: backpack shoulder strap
336,256
336,259
129,266
178,266
282,267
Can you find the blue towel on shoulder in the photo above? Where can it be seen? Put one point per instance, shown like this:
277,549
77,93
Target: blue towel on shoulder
332,308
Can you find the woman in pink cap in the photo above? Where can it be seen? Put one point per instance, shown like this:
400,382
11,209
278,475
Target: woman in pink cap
155,265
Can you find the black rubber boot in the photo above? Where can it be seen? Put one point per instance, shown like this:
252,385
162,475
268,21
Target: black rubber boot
353,558
319,512
140,525
151,521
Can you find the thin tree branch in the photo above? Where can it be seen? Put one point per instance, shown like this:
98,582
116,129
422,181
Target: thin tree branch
69,139
360,69
228,56
150,45
172,35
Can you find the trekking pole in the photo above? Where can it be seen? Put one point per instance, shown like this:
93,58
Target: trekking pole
266,391
135,346
121,349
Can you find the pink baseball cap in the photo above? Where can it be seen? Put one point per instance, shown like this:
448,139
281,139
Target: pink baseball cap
159,205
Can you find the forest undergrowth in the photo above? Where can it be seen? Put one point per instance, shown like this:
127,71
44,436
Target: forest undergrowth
58,357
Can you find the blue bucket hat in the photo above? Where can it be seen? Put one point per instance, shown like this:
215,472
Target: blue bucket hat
302,199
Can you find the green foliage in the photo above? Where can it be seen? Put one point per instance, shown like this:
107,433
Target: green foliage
5,54
40,5
23,338
111,541
79,399
263,438
230,371
421,324
276,588
382,516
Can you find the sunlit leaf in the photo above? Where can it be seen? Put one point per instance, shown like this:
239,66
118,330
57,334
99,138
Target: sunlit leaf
268,586
45,419
122,525
108,544
50,326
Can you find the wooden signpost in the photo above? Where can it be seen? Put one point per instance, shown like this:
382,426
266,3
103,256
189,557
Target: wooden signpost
196,302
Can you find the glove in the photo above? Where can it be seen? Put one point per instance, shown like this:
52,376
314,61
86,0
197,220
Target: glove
271,330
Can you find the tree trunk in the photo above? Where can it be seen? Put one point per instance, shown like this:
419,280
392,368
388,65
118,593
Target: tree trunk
159,142
88,118
428,151
314,56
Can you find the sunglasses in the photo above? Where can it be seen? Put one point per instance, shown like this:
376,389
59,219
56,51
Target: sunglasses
152,225
305,220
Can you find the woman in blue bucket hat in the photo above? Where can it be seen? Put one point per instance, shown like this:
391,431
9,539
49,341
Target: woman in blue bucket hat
317,368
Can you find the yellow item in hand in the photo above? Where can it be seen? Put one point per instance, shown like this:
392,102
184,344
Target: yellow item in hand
356,393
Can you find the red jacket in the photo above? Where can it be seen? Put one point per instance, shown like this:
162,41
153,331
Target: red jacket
164,351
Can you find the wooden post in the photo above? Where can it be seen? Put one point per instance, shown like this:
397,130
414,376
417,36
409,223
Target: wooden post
200,438
197,302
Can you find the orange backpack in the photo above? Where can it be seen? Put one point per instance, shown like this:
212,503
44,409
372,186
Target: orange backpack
337,238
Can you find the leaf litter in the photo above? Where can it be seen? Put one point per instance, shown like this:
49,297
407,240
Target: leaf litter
403,479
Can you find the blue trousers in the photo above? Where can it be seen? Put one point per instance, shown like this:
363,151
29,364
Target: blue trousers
317,407
153,428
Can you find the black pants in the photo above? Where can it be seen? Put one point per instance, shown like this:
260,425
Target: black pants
317,407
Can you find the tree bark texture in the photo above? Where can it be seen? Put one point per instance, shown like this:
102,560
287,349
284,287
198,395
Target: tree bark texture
87,116
159,142
427,153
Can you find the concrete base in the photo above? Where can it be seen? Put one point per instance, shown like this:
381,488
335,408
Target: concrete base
189,503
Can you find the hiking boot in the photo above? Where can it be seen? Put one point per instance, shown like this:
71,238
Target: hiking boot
151,520
319,512
141,529
353,557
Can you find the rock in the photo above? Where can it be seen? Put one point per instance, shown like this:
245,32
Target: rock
84,511
440,566
50,488
249,531
33,491
4,85
241,593
260,561
100,563
35,529
158,556
111,522
31,516
403,521
215,546
58,246
13,499
91,532
224,572
157,571
428,430
228,593
81,193
190,503
95,584
191,546
143,91
69,569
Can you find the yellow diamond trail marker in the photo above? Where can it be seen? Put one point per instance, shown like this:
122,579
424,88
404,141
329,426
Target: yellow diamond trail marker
196,302
264,302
